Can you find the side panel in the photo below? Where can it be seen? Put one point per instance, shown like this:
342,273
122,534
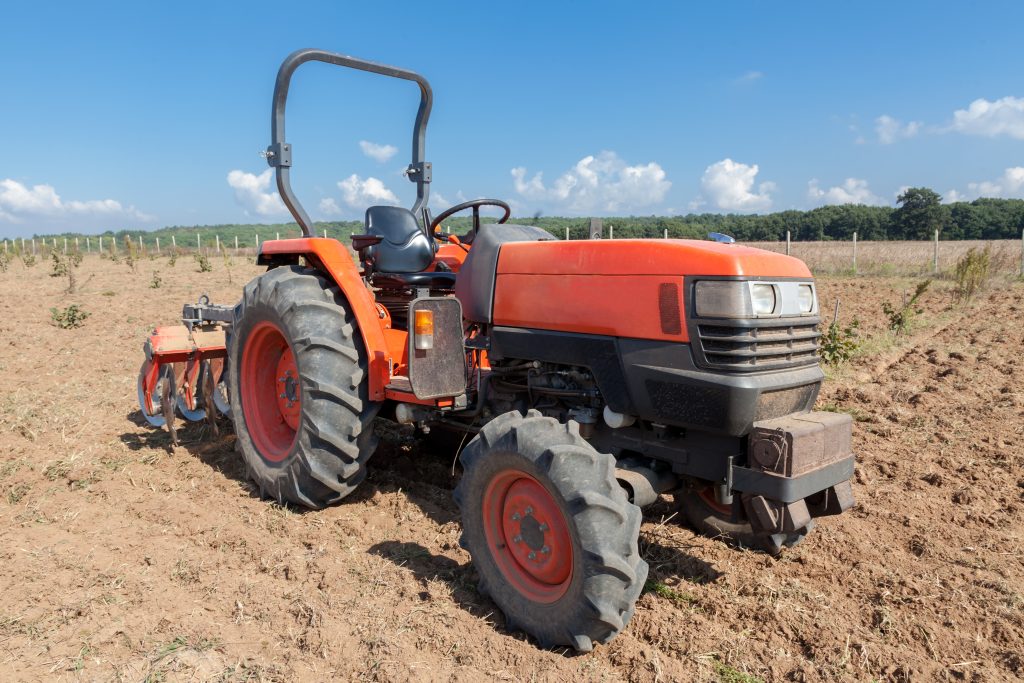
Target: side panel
642,306
331,257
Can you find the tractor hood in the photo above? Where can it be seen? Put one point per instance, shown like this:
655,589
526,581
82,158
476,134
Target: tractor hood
645,257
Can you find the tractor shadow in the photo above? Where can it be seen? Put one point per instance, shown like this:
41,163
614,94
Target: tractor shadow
460,580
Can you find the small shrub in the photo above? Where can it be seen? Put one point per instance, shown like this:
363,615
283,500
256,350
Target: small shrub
69,318
972,272
131,253
838,344
58,265
901,318
113,255
204,263
75,258
172,257
5,262
28,260
228,263
155,282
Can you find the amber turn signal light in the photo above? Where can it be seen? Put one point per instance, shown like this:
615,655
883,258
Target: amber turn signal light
423,330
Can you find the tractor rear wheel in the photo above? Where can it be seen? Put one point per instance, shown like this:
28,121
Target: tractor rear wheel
710,518
297,386
552,534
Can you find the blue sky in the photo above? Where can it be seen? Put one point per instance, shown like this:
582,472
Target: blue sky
139,115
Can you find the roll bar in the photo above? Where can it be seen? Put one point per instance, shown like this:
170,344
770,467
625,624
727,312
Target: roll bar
279,153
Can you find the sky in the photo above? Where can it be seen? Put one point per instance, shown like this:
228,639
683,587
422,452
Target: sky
146,114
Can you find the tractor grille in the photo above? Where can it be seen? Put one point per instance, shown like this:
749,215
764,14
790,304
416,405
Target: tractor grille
764,345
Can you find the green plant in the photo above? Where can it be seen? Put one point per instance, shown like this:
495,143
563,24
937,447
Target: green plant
172,256
972,272
28,260
838,344
113,251
156,281
663,591
70,317
901,318
59,265
204,263
5,262
131,253
75,258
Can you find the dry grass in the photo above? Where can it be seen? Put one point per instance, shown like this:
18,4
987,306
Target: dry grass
897,258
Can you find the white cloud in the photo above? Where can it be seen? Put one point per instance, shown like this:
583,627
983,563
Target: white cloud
750,77
729,185
359,193
991,119
439,202
597,183
890,130
852,191
19,201
379,152
251,192
1008,186
329,207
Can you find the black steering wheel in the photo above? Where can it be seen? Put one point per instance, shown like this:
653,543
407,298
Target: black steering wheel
475,204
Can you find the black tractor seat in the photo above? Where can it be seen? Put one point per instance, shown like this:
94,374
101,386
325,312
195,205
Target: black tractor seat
432,280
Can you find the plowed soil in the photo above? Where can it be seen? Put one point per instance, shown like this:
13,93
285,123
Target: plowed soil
124,558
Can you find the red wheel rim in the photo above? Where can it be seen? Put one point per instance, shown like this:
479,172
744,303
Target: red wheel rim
271,402
708,496
528,536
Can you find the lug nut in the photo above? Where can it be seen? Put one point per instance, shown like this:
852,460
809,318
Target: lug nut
532,555
545,550
543,528
517,539
529,510
515,517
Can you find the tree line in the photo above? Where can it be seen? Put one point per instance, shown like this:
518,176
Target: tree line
919,213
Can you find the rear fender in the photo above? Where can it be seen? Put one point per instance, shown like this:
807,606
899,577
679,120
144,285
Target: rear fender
331,258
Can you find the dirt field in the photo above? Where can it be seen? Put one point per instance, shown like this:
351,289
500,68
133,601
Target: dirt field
124,559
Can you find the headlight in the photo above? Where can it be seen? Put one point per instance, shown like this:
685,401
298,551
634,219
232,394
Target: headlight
763,297
805,298
753,299
723,299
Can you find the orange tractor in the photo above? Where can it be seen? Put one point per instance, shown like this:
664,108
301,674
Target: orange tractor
589,376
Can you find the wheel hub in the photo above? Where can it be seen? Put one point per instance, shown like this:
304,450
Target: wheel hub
288,389
271,393
530,536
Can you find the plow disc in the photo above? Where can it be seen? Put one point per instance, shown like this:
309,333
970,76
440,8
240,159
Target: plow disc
184,369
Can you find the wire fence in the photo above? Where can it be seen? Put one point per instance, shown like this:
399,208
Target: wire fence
880,258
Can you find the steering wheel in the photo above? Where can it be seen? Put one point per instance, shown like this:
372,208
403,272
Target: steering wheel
476,204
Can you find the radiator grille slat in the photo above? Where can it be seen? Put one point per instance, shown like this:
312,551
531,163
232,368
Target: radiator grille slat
773,344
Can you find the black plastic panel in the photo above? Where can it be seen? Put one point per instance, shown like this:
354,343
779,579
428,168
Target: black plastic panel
440,371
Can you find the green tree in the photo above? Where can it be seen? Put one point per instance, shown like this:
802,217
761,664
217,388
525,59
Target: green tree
919,215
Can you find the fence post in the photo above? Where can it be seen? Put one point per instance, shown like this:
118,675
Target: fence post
567,234
935,257
199,243
611,232
257,235
854,254
325,233
217,237
174,242
88,246
158,246
787,243
140,244
76,244
65,245
33,246
278,235
666,233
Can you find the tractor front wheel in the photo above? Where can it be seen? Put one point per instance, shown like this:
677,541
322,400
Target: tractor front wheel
710,518
297,387
552,534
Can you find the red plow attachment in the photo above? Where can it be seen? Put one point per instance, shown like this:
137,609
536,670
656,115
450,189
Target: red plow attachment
184,370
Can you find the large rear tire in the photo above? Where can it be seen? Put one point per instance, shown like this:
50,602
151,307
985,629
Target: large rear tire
297,386
552,534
